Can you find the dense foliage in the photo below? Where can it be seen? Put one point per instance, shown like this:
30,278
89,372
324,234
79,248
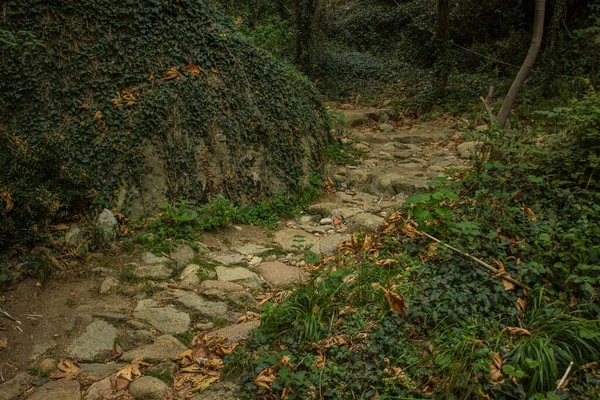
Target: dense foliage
90,90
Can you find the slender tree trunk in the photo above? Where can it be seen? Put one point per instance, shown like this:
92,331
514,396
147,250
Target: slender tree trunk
534,49
305,13
443,64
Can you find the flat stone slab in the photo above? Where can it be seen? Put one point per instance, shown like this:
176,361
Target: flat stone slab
239,275
100,370
165,319
58,390
237,332
149,258
365,223
279,274
322,209
226,287
165,347
11,389
252,249
95,342
206,308
327,246
293,239
226,258
153,271
149,388
189,277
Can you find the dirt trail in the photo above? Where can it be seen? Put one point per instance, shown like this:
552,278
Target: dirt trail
155,313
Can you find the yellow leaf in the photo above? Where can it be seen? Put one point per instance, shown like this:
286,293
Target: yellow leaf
516,331
529,212
496,369
203,383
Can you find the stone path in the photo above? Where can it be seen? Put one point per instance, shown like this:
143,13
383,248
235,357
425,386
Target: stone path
177,298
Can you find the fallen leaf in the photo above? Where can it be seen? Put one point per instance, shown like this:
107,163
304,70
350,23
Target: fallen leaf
132,371
72,294
8,199
529,212
69,370
285,360
238,21
265,379
521,304
286,393
59,227
394,300
516,331
171,74
3,342
336,220
202,383
496,369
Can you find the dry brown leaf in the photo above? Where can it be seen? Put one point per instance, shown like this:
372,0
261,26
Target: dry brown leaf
285,394
336,220
516,331
192,69
529,212
248,316
59,227
265,379
320,361
521,304
8,199
69,370
202,383
132,371
171,74
3,342
496,369
285,360
394,300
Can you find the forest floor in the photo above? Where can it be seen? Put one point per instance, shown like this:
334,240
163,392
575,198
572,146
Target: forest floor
121,315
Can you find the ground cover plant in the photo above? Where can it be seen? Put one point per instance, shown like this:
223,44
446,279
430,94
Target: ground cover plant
399,315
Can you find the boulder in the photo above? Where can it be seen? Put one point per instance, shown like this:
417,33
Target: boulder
150,388
280,275
164,319
165,347
107,225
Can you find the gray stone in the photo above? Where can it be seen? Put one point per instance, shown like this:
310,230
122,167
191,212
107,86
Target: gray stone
326,221
165,347
96,342
108,284
354,118
155,271
367,223
469,149
131,339
305,219
322,209
293,239
189,277
58,390
252,249
107,225
358,177
391,184
183,254
219,391
315,229
165,319
73,236
222,286
386,128
47,365
239,275
101,371
327,246
110,316
361,147
12,389
279,274
236,333
345,212
150,388
210,309
243,300
205,326
149,258
226,258
100,390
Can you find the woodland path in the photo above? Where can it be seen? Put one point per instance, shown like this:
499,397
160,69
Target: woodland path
105,322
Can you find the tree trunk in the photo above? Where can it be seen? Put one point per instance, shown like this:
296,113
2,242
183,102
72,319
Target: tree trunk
443,64
305,13
536,43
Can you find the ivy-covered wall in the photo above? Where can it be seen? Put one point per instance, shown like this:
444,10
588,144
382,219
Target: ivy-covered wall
141,101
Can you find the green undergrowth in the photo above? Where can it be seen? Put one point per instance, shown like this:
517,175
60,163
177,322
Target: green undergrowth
182,222
398,316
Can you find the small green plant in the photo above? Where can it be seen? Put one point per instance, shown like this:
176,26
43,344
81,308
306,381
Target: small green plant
148,289
127,275
186,337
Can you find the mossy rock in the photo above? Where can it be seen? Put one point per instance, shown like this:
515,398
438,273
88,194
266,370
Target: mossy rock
135,103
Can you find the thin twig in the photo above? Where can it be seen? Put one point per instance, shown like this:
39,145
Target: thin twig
7,315
564,378
504,275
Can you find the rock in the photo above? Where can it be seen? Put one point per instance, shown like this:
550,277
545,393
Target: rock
240,275
468,149
279,274
95,343
219,391
149,258
252,249
365,197
358,177
136,324
132,339
226,258
255,260
315,229
73,236
58,390
107,225
150,388
165,319
354,118
183,254
344,197
47,366
326,221
327,246
227,287
101,371
100,390
210,309
367,223
305,219
205,326
243,300
110,316
13,388
165,347
322,209
108,284
154,271
345,212
237,332
189,277
293,239
386,128
361,147
391,184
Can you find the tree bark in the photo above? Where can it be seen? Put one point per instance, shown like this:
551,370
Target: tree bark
534,49
443,64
